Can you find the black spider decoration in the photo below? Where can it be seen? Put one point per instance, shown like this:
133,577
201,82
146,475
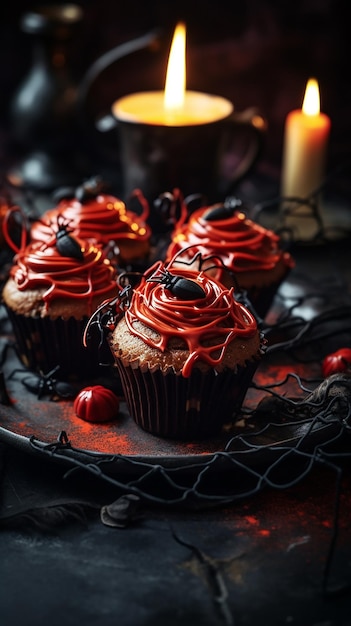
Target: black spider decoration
46,384
65,243
105,317
212,261
88,190
223,210
180,287
170,206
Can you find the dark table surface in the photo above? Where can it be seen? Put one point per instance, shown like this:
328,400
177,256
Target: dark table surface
262,560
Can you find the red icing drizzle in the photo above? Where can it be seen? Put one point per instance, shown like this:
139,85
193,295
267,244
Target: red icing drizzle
103,218
216,316
40,265
242,244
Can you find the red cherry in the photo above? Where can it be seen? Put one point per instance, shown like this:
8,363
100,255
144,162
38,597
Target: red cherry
96,404
339,361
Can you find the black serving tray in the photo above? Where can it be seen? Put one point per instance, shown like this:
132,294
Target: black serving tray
257,450
248,455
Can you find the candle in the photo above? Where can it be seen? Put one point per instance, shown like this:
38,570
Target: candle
304,158
175,106
305,146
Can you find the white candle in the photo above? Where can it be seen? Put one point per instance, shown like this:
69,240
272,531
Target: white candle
304,158
175,106
305,146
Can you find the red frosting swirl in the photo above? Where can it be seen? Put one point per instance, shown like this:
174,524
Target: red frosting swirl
242,244
41,266
215,318
102,219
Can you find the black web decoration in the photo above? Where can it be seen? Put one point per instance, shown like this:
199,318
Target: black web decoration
314,431
306,210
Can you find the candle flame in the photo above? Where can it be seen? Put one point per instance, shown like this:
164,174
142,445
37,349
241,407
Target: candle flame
311,103
176,75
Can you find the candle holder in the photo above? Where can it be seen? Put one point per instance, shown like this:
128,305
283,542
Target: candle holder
301,218
179,138
208,158
322,217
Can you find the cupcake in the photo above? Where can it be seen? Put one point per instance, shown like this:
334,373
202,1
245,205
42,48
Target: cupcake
185,351
252,257
51,291
102,218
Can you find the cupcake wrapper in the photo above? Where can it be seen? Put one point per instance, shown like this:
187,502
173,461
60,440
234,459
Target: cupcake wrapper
43,344
171,406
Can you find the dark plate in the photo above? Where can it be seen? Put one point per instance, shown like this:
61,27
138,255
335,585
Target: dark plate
243,459
257,451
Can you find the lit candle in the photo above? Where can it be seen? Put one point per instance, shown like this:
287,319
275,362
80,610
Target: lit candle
305,146
175,106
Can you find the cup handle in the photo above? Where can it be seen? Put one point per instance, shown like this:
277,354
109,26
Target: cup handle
255,126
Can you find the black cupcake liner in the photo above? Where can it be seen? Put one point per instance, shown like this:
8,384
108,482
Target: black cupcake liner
43,344
174,407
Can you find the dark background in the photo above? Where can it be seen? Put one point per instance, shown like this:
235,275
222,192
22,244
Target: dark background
254,52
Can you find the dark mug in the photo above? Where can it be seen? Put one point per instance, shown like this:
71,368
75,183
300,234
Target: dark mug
203,157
